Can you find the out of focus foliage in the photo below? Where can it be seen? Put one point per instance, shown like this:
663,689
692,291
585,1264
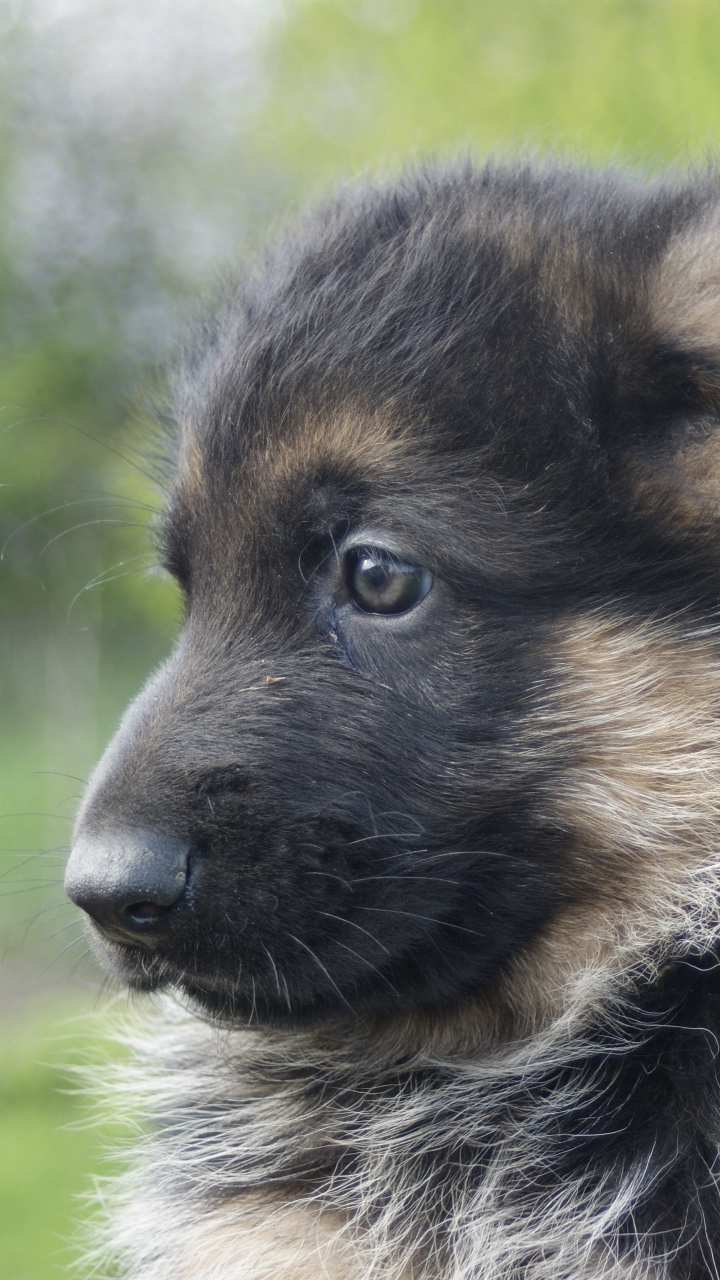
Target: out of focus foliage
48,1147
359,84
145,146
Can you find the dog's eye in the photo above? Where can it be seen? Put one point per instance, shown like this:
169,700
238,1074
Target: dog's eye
380,583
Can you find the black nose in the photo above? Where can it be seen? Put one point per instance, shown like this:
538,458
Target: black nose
128,881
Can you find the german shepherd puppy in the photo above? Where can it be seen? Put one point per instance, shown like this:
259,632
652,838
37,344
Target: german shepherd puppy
422,816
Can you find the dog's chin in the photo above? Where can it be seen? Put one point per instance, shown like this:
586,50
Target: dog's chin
138,967
234,1007
144,969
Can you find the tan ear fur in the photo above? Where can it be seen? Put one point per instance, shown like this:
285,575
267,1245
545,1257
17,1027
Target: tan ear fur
683,483
684,295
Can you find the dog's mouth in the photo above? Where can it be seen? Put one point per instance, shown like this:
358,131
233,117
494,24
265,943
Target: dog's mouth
305,920
245,941
270,996
130,941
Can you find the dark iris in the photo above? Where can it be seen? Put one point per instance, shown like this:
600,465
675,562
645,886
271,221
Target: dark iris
380,583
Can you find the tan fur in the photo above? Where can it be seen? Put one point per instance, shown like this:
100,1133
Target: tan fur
362,443
371,1227
684,294
683,485
634,705
636,708
697,465
366,445
254,1239
298,1243
189,476
637,703
683,299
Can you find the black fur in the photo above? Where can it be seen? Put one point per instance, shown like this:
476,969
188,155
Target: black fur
467,369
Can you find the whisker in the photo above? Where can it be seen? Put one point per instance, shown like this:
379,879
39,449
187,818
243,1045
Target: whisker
321,966
274,968
55,773
29,885
65,422
328,556
370,965
86,524
415,915
355,925
55,959
61,904
330,875
108,983
40,856
387,835
404,817
446,853
48,937
64,817
287,992
76,961
109,496
407,879
44,851
23,862
102,579
64,506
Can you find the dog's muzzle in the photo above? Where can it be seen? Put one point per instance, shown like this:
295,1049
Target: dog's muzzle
128,881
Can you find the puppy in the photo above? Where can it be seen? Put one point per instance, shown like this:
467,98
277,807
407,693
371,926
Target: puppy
421,819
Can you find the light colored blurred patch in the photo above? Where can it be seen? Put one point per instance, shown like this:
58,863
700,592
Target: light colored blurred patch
341,106
380,15
109,107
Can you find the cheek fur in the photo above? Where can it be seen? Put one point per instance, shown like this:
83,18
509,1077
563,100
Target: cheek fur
629,713
637,709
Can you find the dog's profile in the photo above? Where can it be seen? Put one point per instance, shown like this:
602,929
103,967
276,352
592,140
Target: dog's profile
422,816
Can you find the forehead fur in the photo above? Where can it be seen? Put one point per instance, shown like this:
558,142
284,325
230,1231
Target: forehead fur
512,325
381,295
532,316
349,447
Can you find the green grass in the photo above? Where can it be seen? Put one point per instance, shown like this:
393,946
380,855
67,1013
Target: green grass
48,1155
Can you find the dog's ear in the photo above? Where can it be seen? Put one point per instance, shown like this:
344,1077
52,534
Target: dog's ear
684,290
675,399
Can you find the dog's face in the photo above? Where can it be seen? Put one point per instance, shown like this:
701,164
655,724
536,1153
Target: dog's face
442,517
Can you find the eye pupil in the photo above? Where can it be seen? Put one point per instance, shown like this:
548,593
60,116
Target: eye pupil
374,575
379,582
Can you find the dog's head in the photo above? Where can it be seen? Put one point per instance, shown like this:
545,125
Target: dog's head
444,521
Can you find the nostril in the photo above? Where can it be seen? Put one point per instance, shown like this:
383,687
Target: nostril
144,912
127,880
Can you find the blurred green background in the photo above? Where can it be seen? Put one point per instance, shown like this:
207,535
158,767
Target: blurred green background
145,146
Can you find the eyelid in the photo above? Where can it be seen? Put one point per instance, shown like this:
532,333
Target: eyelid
369,551
372,541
